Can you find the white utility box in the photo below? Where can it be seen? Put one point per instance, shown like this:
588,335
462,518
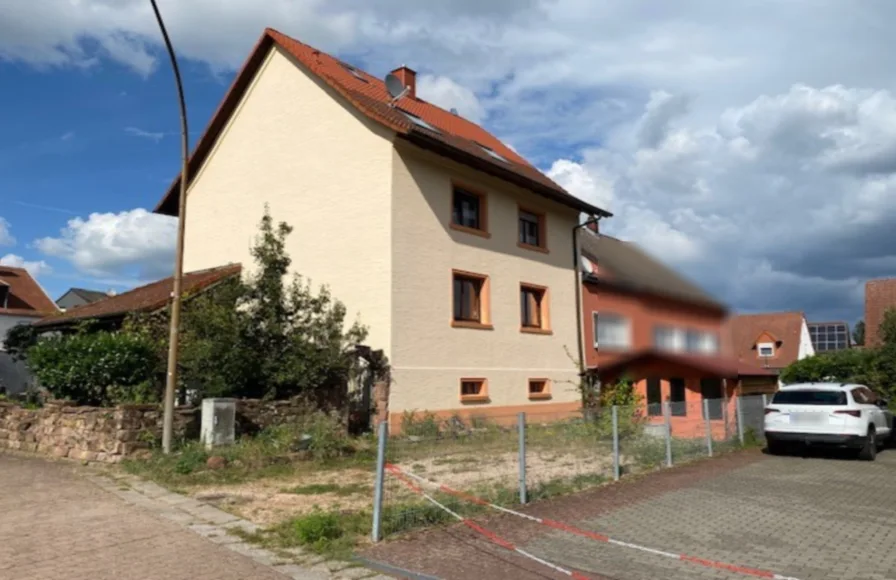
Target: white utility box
218,422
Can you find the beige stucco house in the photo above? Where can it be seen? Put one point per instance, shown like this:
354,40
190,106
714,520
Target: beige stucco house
452,249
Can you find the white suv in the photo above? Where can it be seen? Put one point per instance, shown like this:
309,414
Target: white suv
842,415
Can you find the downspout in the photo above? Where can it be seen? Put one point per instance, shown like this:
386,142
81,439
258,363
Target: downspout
577,268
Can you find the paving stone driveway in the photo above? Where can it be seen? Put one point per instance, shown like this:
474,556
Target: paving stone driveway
59,523
817,518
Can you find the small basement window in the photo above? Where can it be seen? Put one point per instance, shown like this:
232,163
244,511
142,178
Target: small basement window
473,390
539,389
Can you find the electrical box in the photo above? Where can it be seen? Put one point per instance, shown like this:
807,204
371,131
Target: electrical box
218,422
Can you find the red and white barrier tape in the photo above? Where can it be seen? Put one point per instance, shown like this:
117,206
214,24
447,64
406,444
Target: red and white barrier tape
491,536
404,475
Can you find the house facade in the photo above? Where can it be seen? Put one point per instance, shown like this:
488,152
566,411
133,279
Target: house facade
79,297
880,296
771,340
22,301
453,250
646,323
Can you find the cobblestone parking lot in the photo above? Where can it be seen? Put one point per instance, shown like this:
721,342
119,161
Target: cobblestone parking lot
822,517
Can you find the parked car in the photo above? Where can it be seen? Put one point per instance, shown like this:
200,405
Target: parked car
834,414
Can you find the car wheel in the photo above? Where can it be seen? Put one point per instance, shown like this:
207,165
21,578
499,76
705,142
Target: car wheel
869,448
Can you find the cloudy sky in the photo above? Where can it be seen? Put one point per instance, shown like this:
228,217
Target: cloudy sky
749,143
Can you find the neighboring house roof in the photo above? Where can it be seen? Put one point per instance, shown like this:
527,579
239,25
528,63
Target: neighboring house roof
26,297
783,328
85,295
711,366
625,265
880,296
147,298
455,137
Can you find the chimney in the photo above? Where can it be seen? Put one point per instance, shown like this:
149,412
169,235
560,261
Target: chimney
408,78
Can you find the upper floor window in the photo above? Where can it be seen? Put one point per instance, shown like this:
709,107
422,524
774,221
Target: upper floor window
534,309
681,340
701,342
612,331
532,230
470,300
766,349
469,211
668,338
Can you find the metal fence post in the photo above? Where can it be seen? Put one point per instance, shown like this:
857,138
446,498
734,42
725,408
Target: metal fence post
615,414
521,423
380,476
708,426
667,417
739,417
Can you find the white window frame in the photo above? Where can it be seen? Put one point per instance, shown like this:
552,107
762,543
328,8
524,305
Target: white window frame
627,330
679,338
768,345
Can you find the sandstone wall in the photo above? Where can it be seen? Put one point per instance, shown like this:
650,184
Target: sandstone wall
109,434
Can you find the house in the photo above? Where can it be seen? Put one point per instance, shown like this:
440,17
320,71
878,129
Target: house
647,323
772,340
453,250
149,298
22,300
880,296
79,297
829,336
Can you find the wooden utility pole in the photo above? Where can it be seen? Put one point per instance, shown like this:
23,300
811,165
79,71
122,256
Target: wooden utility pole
173,336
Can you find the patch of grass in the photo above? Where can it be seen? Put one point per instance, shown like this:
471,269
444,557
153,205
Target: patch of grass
334,488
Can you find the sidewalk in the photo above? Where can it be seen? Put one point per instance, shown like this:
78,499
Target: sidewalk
64,522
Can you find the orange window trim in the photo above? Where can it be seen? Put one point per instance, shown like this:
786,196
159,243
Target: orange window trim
544,393
480,397
483,210
544,310
485,316
542,230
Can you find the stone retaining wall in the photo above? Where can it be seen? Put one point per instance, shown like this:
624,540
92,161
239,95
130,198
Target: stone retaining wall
111,434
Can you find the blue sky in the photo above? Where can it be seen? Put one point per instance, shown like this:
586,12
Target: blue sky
748,144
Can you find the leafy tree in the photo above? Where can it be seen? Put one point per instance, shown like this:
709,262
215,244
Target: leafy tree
100,368
858,333
19,339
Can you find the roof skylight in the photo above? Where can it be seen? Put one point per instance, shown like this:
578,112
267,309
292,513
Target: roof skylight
493,153
354,71
419,122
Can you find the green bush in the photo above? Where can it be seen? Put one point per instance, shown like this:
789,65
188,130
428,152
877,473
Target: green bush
425,425
98,368
318,529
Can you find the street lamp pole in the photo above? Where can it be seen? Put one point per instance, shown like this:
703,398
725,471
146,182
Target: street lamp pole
171,379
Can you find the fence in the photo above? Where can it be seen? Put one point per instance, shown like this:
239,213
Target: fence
515,459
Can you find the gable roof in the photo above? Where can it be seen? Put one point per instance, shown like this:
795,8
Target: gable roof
146,298
625,265
784,327
26,297
454,137
86,295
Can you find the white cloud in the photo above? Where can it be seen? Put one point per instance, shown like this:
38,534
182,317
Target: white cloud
109,244
447,94
151,135
6,238
35,268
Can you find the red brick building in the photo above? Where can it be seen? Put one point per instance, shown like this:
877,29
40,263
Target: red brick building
647,323
880,296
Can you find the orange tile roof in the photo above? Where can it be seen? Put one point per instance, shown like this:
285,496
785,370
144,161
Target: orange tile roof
26,297
455,137
785,327
146,298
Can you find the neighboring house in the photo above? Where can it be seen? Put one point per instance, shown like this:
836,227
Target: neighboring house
152,297
22,301
771,340
79,296
880,296
646,323
829,336
451,248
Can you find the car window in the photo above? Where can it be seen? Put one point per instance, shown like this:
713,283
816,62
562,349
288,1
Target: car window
859,396
870,395
809,397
